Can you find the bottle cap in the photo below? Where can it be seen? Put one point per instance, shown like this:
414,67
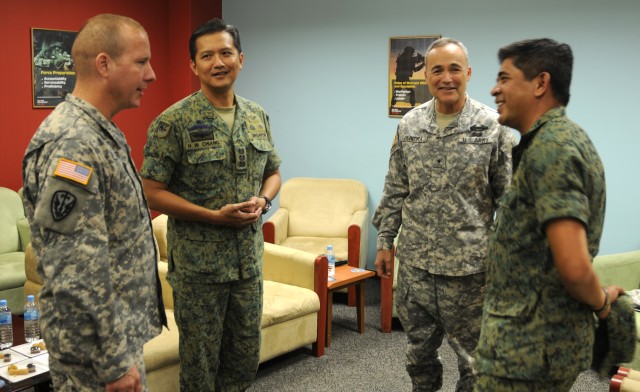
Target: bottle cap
329,247
30,298
3,303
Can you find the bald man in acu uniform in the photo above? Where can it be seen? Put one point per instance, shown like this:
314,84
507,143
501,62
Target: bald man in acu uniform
90,224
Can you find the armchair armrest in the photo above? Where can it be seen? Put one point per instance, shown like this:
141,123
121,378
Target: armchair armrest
30,266
357,238
275,230
24,233
302,269
289,266
167,291
159,225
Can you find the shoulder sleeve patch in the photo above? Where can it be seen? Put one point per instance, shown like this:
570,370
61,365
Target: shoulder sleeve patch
62,204
73,171
162,130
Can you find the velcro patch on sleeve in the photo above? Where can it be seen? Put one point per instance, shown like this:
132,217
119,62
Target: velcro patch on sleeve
73,171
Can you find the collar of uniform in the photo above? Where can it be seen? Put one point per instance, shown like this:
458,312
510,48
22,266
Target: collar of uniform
107,126
553,113
525,141
203,106
459,125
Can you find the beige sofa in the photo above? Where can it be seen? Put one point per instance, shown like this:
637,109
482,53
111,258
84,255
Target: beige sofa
294,314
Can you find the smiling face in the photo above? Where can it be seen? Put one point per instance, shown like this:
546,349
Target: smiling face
447,74
217,63
132,72
514,96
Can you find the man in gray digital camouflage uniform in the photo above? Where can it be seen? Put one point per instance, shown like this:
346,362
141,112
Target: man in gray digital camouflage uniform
537,327
211,166
90,224
450,163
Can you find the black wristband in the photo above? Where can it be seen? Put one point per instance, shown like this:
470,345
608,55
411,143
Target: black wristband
606,302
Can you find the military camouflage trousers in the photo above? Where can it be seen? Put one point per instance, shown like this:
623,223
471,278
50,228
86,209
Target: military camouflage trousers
431,307
75,377
487,383
219,326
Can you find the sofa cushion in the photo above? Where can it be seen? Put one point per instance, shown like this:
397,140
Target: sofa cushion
12,267
162,350
283,302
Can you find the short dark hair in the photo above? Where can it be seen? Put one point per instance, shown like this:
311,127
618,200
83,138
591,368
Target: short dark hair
213,26
534,56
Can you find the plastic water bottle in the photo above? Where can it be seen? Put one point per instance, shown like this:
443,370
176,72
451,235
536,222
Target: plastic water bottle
331,258
31,320
6,326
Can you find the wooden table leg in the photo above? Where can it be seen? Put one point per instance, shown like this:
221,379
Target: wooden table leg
360,306
329,317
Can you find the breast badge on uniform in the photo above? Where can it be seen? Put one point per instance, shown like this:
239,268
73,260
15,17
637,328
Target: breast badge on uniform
477,130
62,204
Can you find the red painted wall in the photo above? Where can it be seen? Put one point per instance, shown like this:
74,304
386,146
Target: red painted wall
168,23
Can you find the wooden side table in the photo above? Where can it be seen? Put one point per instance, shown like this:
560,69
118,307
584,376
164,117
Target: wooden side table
347,276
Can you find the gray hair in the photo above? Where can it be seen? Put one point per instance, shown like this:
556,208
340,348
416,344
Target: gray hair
448,41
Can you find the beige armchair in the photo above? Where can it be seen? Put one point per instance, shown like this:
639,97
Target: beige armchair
316,212
14,238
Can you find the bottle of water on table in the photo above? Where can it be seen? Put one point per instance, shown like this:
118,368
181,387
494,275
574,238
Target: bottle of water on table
331,258
6,325
31,320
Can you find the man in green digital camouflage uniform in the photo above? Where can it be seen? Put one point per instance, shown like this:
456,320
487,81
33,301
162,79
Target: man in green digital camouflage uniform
210,164
537,327
450,162
90,224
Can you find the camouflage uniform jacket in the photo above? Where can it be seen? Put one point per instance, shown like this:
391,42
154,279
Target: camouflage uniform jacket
532,328
191,149
443,186
93,242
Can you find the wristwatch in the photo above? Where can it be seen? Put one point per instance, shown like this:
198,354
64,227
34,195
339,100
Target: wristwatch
267,207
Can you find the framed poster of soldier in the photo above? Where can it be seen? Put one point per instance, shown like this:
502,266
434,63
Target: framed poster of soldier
407,81
52,67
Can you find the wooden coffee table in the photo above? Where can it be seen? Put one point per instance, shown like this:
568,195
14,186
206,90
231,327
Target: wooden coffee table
346,276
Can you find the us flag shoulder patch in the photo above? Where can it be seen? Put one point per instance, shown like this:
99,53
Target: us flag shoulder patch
73,171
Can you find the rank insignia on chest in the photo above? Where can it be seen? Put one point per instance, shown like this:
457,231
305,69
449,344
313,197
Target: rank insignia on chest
73,171
254,127
241,159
